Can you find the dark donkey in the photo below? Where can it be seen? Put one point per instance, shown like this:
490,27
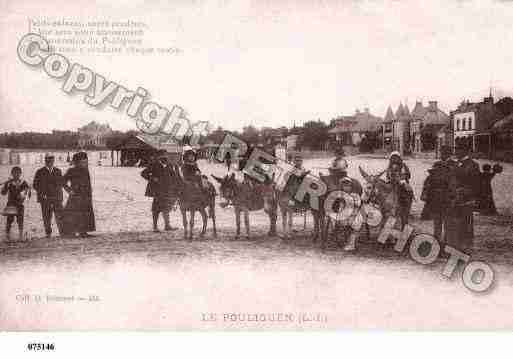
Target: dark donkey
390,197
322,222
246,197
287,203
192,198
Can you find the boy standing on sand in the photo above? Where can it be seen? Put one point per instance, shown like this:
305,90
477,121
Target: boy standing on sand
16,190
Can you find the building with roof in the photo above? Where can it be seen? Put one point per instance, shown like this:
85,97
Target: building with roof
94,134
501,139
426,122
400,128
137,150
472,121
273,136
291,142
387,129
351,130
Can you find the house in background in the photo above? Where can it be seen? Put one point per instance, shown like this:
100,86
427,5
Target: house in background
426,122
352,130
387,128
291,142
401,129
445,137
93,134
272,136
138,150
471,124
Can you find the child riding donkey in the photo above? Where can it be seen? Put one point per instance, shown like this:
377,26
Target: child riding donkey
398,175
197,193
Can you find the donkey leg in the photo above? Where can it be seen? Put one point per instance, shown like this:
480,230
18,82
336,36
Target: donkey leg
191,224
213,216
246,222
184,220
316,227
204,219
272,219
351,243
237,222
326,230
284,220
290,218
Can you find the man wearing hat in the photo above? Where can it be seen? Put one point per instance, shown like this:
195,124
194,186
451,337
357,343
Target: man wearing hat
78,215
48,183
163,186
299,170
468,176
338,168
435,193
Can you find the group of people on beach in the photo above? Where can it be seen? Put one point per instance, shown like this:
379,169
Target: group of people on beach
454,189
74,218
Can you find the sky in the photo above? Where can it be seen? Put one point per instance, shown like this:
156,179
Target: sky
269,63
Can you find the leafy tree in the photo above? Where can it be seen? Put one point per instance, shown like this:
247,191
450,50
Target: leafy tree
505,106
250,134
314,135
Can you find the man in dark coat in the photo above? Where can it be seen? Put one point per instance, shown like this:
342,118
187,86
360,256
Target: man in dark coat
78,215
486,202
463,193
435,193
48,183
470,175
163,185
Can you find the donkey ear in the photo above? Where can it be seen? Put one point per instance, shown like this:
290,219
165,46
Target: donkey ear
364,174
220,180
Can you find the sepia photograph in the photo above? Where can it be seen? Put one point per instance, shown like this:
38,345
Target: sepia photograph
235,166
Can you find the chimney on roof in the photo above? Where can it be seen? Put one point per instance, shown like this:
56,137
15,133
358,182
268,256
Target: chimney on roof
433,105
488,100
366,110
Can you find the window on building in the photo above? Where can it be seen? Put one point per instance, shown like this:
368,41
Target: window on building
458,124
464,124
470,123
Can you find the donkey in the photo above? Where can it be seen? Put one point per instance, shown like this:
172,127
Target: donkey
346,225
288,205
246,199
194,198
389,197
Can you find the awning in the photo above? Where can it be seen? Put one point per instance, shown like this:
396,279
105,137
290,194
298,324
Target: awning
149,142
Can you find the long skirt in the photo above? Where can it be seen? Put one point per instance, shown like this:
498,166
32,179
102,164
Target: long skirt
460,229
487,205
78,215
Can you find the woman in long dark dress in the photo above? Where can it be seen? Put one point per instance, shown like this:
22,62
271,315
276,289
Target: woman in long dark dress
486,202
78,212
